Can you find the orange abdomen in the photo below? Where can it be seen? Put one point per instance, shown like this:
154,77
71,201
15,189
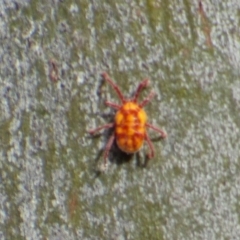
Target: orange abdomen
130,127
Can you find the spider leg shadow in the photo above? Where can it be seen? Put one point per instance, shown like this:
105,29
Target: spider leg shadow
146,158
116,156
157,139
142,163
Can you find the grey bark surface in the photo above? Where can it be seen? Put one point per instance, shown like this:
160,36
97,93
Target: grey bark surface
52,54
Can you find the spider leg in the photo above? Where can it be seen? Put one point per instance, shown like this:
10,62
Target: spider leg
151,153
93,131
107,148
141,85
147,99
163,134
115,87
113,105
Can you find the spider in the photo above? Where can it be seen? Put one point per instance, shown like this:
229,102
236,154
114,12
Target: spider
130,122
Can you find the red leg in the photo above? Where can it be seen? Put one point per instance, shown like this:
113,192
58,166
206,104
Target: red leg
163,134
108,147
115,87
113,105
93,131
151,153
147,99
141,85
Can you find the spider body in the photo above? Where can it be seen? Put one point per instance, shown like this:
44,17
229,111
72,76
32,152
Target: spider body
130,129
130,122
